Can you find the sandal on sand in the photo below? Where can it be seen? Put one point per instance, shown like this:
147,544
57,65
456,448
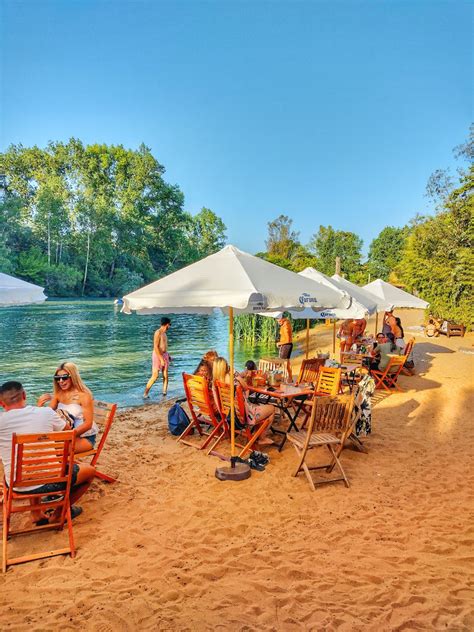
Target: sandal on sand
266,441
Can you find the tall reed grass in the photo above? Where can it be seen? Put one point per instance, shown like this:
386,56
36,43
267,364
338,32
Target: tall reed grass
255,328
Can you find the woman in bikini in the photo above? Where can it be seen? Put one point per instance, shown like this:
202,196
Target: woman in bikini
72,399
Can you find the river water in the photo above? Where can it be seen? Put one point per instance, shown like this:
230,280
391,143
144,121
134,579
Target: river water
111,349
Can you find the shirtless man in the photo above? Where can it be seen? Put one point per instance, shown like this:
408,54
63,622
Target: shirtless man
160,357
346,334
359,325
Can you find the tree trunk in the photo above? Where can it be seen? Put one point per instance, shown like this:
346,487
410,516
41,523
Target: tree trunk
87,262
112,269
49,242
338,265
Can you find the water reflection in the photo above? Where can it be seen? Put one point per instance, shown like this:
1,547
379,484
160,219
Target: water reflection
112,350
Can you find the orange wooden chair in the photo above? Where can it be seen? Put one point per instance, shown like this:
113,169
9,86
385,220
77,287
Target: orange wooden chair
408,351
328,384
38,459
104,415
387,379
309,370
250,433
198,396
330,424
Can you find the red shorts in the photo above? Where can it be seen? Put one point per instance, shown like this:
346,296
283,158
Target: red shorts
157,363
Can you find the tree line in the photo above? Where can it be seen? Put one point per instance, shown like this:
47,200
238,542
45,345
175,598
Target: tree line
96,220
100,220
432,256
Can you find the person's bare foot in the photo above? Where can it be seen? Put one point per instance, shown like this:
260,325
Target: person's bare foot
146,395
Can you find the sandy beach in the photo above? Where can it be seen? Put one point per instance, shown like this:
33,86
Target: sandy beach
169,547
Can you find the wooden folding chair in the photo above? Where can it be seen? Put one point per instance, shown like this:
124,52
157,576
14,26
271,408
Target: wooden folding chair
328,383
387,379
250,433
104,414
330,424
38,459
274,364
198,396
309,370
408,351
357,361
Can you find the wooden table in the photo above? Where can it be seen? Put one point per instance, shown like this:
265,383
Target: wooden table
283,396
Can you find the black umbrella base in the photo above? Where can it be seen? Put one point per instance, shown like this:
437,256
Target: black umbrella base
240,472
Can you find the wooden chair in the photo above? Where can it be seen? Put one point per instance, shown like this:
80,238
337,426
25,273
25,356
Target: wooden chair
104,415
274,364
309,370
329,426
387,379
357,361
198,396
251,433
408,351
329,381
38,459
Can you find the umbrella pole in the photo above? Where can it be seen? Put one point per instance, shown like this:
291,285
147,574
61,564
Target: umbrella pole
307,338
334,337
231,362
376,322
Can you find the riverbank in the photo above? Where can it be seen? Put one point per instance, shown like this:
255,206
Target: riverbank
169,547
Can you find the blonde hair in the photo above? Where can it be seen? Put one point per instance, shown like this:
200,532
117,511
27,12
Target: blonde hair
76,379
220,369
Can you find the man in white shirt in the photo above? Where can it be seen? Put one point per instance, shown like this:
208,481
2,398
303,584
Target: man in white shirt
20,418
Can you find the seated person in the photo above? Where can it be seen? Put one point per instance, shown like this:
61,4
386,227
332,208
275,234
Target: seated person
72,399
204,368
255,412
221,370
20,418
249,371
387,349
375,352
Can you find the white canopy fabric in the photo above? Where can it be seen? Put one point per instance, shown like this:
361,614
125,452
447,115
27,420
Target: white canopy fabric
364,297
394,296
356,309
232,278
15,291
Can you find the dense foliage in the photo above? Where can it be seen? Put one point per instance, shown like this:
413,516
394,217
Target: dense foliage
96,220
100,220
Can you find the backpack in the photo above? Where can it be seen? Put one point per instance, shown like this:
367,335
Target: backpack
178,419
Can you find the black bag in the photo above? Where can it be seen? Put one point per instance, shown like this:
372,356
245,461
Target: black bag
178,419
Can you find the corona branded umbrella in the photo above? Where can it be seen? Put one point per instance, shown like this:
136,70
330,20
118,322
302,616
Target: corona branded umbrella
235,282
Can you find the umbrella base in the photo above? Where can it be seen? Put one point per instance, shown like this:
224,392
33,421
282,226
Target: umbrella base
240,472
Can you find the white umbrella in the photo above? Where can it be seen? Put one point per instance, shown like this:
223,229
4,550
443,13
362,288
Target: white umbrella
361,304
15,291
232,280
389,296
393,296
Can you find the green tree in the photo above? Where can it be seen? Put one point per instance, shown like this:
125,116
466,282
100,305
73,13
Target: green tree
386,251
206,233
438,261
282,241
328,243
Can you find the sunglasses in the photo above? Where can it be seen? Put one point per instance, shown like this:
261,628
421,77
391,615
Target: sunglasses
61,378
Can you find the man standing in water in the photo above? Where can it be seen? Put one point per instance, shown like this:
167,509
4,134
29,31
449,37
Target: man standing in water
160,357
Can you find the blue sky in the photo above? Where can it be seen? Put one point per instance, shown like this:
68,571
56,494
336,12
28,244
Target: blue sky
330,112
